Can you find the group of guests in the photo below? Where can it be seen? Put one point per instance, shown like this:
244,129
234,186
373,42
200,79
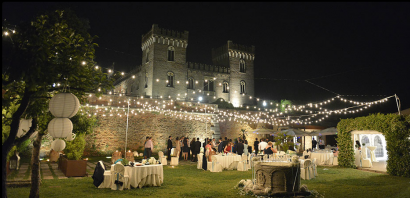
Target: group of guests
265,146
184,147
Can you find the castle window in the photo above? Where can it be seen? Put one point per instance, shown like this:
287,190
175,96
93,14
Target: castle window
242,66
147,55
171,52
190,83
170,79
146,80
243,86
208,85
225,87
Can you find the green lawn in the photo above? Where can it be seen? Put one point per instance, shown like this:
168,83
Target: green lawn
187,181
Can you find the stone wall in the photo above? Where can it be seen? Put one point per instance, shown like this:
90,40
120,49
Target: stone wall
110,133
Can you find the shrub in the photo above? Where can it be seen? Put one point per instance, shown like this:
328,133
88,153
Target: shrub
395,128
75,149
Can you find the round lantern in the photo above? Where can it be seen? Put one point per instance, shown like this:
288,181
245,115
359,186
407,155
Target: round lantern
60,127
58,145
64,105
25,125
70,137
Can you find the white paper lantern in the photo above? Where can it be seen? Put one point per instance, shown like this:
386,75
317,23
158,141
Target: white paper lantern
60,127
58,145
25,125
64,105
70,137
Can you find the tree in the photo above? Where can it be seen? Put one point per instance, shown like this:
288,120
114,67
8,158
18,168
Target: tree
52,53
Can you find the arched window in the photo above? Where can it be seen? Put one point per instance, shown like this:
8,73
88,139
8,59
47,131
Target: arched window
170,79
147,55
243,87
190,84
171,53
378,143
242,66
146,80
225,87
208,85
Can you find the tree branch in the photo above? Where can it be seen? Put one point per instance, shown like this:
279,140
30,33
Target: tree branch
29,132
14,126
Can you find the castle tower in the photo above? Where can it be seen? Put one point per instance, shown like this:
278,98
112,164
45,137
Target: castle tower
240,60
163,70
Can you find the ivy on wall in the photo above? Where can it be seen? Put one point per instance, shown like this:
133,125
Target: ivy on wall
395,128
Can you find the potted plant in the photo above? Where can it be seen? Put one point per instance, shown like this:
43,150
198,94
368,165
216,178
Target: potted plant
72,164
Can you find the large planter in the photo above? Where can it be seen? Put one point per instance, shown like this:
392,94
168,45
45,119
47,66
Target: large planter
72,168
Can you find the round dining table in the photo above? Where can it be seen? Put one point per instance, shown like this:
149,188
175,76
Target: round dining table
322,157
145,175
226,160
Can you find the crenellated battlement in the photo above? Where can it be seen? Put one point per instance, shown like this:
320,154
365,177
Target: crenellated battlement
233,50
205,67
164,36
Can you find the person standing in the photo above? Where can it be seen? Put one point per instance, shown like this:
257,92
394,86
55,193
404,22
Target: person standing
225,143
239,147
189,148
193,149
262,145
177,148
181,145
321,143
213,144
197,148
149,147
185,149
256,146
145,151
245,147
220,146
169,147
314,143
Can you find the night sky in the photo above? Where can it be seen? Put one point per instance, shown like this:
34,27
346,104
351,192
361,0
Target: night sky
345,48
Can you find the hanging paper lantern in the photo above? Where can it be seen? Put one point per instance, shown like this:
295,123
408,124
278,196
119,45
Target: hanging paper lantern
70,137
64,105
25,125
60,127
58,145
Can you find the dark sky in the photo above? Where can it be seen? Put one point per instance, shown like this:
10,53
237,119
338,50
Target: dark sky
346,48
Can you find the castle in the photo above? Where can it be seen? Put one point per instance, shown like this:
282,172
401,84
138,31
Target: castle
165,73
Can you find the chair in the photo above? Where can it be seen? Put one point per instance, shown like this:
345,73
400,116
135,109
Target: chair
366,162
335,161
306,153
215,165
200,156
106,176
160,155
243,164
233,165
175,160
305,170
314,167
119,180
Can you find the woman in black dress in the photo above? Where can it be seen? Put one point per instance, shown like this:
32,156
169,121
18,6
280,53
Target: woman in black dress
185,149
193,150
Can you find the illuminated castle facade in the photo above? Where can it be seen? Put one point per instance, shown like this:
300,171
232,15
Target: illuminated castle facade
165,73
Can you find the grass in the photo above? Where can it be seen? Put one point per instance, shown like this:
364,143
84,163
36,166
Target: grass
188,181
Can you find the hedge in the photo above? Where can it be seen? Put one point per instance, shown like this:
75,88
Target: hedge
395,128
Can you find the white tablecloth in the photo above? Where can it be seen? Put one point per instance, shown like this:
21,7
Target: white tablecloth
372,155
322,158
148,175
227,160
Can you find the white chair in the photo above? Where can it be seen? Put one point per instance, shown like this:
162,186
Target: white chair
175,160
306,153
215,165
117,176
107,177
160,155
200,156
305,170
243,164
233,165
282,153
335,161
314,167
366,162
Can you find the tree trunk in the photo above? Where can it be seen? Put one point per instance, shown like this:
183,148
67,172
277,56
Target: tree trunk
35,168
